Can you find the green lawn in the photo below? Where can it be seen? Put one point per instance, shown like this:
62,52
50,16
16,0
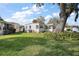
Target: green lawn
39,44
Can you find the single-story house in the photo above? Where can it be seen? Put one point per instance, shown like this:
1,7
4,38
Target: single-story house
68,28
16,26
5,28
72,28
35,26
8,27
75,28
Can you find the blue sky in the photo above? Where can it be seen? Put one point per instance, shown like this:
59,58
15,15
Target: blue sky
24,13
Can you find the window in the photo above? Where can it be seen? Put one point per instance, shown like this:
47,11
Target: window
30,27
0,28
26,27
54,27
49,27
41,26
37,26
4,28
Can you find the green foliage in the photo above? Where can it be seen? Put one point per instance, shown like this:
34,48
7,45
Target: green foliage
1,19
63,43
40,44
61,36
69,30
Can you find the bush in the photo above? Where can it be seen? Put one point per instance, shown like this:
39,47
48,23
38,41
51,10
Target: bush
69,30
62,43
61,36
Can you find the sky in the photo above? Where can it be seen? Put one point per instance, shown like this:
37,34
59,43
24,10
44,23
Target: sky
24,13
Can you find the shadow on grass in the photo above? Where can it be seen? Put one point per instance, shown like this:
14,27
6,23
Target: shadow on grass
33,46
21,42
17,44
57,50
17,33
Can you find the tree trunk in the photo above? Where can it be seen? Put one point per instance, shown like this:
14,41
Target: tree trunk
60,27
64,19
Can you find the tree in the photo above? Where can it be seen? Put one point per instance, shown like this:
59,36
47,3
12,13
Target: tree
40,19
65,10
54,21
1,19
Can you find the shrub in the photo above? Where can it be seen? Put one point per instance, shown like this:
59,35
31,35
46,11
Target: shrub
61,36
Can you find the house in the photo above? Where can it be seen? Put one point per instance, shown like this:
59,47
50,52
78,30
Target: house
50,27
1,28
22,29
54,25
35,26
75,28
16,26
9,27
68,28
5,28
72,28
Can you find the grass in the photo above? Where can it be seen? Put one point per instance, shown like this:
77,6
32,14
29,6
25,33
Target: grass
40,44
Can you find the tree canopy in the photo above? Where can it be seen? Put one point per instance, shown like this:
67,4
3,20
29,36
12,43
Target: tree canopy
65,11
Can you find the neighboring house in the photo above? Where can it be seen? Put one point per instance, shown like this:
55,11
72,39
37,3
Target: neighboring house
68,28
54,28
22,29
72,28
50,27
54,25
75,28
35,26
5,28
9,27
16,26
1,28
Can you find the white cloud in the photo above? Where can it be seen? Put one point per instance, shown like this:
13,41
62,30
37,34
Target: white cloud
37,9
45,10
48,17
56,14
21,14
38,12
18,15
72,14
30,11
24,8
21,17
21,21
